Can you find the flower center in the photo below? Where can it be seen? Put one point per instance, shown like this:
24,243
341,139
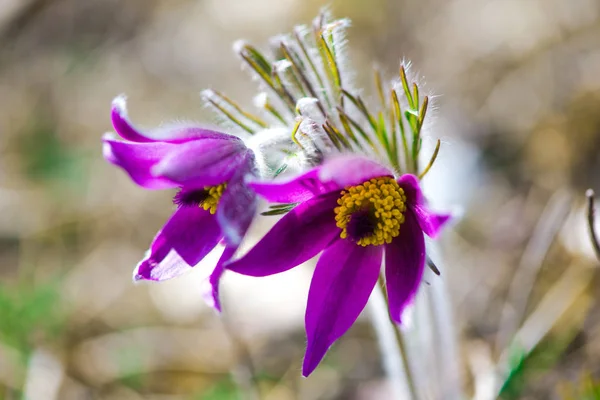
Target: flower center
213,196
208,198
371,213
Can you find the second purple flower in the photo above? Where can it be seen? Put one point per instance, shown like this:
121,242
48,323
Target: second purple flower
213,203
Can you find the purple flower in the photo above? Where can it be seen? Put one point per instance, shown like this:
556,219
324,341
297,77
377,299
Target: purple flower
213,202
353,210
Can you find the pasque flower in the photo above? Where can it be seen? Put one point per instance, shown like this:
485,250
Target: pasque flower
356,212
213,202
354,209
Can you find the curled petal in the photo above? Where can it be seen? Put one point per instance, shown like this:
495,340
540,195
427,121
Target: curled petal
300,235
202,163
343,281
404,264
430,222
296,190
183,242
138,159
176,133
237,205
124,128
349,170
211,289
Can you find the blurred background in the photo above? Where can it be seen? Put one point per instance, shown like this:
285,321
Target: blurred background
519,115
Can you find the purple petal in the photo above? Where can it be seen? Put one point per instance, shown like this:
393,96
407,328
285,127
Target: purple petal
183,242
176,133
182,133
296,190
118,114
431,223
349,170
412,190
202,163
237,205
300,235
137,159
332,176
211,294
404,264
343,281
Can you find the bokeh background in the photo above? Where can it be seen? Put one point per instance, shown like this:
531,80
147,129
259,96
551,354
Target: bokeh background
519,115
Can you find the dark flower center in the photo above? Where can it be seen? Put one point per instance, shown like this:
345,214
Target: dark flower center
188,198
361,225
208,197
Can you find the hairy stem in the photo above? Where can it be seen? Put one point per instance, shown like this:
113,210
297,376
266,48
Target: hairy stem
392,345
591,219
444,329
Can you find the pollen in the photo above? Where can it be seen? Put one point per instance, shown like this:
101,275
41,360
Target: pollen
213,196
371,213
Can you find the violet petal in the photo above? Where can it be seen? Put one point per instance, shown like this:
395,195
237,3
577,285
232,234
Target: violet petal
202,163
211,294
404,264
137,159
350,170
296,190
412,190
124,128
430,222
189,235
181,133
237,205
341,285
300,235
175,133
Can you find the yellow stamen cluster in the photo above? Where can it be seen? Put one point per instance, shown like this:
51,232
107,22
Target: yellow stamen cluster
382,199
213,196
